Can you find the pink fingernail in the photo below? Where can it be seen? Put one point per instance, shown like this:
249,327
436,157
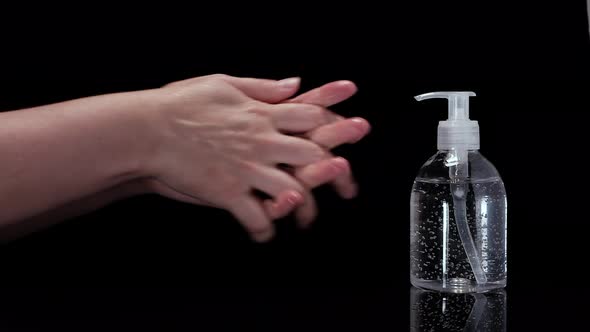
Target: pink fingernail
294,198
289,83
340,163
365,123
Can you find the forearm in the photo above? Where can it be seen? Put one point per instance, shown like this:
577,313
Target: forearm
72,209
55,154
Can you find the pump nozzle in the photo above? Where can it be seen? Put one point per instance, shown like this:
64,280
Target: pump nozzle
458,102
458,131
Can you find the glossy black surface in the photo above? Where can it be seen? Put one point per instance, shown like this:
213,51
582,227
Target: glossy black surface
295,309
151,263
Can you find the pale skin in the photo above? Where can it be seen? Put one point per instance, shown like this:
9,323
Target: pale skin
210,140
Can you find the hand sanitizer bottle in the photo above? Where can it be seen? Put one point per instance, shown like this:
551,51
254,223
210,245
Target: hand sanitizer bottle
458,210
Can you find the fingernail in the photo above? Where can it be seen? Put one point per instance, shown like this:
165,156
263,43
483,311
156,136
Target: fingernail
340,163
294,198
365,123
363,130
289,83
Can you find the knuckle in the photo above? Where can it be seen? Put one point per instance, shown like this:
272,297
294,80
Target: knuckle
218,76
247,166
264,144
317,113
216,82
251,126
316,152
291,183
260,122
256,107
309,151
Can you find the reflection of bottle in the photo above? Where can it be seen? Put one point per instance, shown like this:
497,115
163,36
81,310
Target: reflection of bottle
470,312
458,210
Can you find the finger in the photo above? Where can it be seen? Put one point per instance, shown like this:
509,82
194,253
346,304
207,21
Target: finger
345,185
293,151
272,181
264,236
251,215
283,204
322,172
328,94
297,118
340,132
313,176
307,212
268,91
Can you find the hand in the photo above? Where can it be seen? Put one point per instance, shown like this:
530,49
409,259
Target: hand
336,131
215,144
336,170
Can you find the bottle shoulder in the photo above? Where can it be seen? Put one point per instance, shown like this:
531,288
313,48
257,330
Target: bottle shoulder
437,168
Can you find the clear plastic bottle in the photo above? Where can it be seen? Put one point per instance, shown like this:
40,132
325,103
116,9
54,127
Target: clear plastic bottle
435,311
458,212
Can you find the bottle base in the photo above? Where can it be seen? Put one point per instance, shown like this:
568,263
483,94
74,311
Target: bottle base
457,285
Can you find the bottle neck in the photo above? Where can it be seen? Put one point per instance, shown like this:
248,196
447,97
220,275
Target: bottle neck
451,150
458,134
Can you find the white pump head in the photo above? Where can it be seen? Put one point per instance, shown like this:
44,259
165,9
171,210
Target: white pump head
457,132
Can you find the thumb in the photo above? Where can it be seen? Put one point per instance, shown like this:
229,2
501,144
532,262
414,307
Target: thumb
268,91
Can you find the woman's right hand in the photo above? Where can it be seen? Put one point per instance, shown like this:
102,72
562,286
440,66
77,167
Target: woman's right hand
215,145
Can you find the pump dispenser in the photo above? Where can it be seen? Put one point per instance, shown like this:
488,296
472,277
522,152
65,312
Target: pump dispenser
458,210
458,131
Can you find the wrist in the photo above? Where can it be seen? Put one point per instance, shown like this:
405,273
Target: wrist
141,134
153,118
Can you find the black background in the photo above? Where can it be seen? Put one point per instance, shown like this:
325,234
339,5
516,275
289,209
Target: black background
528,62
